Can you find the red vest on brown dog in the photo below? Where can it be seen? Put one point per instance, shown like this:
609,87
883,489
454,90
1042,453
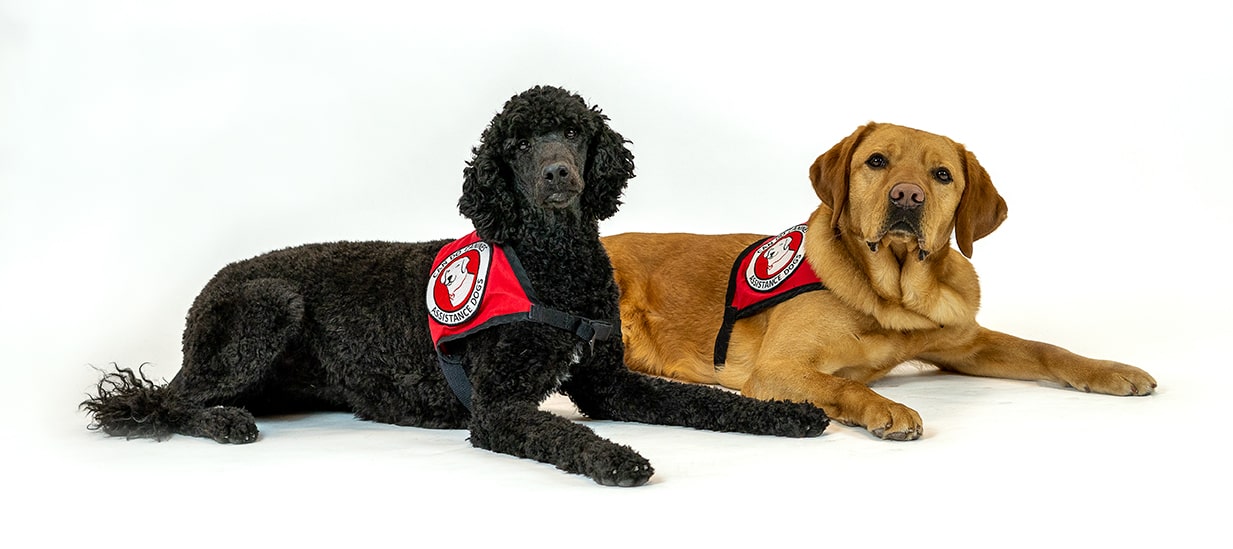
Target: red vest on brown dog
767,273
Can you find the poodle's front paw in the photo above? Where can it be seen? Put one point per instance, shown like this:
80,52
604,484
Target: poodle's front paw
619,466
798,420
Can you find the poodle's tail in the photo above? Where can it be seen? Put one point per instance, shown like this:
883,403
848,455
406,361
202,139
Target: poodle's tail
128,404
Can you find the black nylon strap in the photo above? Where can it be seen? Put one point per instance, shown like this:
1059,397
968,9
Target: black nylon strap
720,355
585,329
456,377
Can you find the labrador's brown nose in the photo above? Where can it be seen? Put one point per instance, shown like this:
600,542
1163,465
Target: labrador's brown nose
907,195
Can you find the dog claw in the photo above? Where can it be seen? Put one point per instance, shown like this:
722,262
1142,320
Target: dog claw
903,435
636,476
909,434
629,469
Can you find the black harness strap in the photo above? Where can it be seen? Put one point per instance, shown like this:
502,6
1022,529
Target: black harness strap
456,377
587,330
720,355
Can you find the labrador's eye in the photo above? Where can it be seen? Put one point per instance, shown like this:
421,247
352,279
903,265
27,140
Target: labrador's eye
571,134
524,145
876,161
942,175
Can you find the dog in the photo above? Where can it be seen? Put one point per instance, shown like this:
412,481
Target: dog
371,327
884,288
458,281
778,256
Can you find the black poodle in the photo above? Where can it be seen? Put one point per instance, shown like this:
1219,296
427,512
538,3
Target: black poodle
346,326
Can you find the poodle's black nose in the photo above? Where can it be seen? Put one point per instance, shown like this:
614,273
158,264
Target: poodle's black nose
557,172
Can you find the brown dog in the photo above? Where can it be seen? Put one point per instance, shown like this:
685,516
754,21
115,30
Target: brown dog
892,290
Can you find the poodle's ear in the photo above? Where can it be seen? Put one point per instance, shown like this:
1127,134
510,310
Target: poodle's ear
610,166
829,173
487,192
981,209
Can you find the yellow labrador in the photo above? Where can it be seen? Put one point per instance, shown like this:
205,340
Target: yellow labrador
888,289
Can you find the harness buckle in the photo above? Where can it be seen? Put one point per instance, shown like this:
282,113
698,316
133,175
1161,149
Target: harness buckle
593,330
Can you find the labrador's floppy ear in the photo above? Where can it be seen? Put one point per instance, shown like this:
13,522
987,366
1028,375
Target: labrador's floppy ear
981,209
829,173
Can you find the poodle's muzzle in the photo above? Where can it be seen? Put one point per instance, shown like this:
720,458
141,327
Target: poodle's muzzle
552,175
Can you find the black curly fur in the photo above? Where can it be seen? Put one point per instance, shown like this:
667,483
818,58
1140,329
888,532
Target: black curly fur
128,404
343,326
488,198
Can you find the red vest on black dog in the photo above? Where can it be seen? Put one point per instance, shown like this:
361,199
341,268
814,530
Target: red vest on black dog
473,286
476,285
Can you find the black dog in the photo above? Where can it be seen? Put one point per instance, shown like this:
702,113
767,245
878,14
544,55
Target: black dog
344,326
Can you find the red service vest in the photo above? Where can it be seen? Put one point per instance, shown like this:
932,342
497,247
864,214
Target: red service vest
767,273
476,285
473,286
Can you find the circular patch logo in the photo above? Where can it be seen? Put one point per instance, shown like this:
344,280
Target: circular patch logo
776,259
456,287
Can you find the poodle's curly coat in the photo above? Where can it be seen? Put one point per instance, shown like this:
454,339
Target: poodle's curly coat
343,326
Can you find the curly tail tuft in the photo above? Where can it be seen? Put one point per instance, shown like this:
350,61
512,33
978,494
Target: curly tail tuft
128,404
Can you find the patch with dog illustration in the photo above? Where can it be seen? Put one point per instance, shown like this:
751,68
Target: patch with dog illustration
473,286
458,284
765,274
774,261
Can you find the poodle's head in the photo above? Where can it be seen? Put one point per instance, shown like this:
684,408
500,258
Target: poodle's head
546,157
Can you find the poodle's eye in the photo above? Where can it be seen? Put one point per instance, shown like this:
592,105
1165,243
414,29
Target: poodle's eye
523,144
571,134
942,175
876,161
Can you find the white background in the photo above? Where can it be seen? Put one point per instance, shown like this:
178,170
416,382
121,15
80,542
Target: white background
144,144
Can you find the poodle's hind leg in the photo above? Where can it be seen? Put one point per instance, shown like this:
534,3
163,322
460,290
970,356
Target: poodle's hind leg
233,340
606,389
129,404
232,345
